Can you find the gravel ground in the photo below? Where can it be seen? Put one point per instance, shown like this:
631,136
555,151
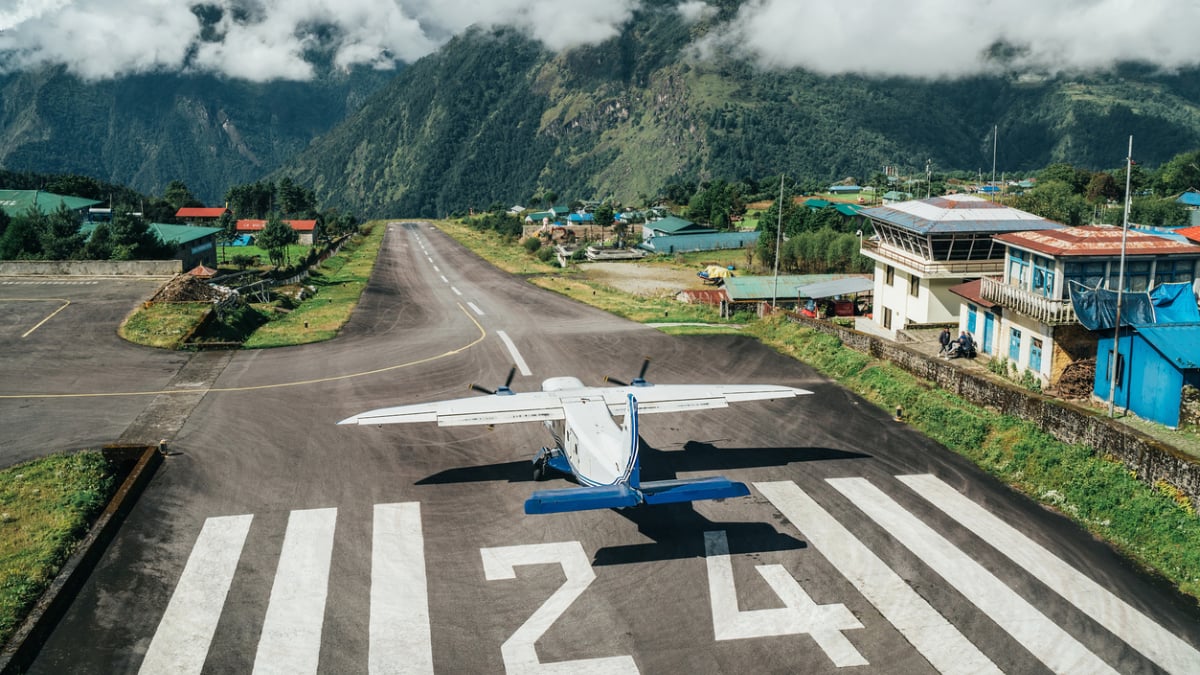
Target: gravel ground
641,279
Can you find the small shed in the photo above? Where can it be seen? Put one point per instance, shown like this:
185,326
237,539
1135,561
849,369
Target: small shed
1153,363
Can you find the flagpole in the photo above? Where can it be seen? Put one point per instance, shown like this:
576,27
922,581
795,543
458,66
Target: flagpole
1113,360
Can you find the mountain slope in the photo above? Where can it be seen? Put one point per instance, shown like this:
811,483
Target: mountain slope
493,118
147,130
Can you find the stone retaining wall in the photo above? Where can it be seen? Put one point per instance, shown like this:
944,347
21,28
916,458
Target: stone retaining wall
91,268
1151,460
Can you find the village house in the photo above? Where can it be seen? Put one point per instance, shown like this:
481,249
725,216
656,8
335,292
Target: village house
304,228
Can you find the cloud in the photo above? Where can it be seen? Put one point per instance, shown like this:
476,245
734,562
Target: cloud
950,38
263,40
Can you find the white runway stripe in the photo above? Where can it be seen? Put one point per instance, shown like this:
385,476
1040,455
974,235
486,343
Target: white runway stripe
456,291
512,349
475,308
444,279
929,632
291,634
181,642
399,624
1053,646
1139,631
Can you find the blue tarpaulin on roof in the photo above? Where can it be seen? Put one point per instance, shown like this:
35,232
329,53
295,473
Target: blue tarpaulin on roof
1096,308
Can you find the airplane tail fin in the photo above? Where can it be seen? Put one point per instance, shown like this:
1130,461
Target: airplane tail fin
629,428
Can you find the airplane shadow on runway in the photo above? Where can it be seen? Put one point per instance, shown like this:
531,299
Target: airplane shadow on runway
676,530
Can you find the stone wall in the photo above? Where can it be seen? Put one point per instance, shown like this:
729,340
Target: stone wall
1150,459
91,268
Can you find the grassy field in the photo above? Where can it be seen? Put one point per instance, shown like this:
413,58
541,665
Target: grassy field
163,324
339,281
494,248
46,506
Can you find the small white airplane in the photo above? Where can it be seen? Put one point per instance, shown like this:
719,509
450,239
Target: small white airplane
589,445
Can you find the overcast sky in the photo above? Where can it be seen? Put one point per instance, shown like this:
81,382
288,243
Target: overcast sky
265,39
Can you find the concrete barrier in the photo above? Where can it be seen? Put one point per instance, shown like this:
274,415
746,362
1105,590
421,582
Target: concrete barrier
1150,459
90,268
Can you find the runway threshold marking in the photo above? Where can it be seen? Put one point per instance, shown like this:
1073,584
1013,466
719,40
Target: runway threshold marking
512,349
278,385
925,628
400,634
185,631
1052,645
291,633
1139,631
51,315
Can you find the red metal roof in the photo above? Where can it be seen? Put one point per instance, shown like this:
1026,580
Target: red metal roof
973,291
1192,233
1094,240
202,271
250,225
200,212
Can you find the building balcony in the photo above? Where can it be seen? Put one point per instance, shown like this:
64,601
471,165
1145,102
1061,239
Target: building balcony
1045,310
929,268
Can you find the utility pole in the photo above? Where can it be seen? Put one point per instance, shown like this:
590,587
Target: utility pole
1113,360
928,178
778,239
995,132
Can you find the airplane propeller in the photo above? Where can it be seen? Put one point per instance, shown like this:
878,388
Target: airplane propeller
639,381
502,390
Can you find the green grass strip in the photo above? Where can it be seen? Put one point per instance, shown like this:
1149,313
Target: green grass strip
46,507
1152,525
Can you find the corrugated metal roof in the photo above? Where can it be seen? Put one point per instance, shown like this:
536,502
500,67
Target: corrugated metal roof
674,224
200,212
1095,240
972,291
746,289
712,241
181,234
1191,233
848,209
18,202
826,289
1189,198
958,213
1179,343
250,225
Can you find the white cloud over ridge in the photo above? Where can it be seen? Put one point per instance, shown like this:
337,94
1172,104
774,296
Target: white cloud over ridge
261,40
950,38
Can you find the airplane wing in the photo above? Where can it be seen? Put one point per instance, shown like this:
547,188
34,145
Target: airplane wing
539,406
534,406
661,398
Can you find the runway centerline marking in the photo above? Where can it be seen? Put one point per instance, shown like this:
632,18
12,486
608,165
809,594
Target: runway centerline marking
1139,631
512,349
942,645
456,291
475,308
278,385
185,631
1052,645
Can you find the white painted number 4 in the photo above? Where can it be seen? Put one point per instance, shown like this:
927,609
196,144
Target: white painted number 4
800,614
520,655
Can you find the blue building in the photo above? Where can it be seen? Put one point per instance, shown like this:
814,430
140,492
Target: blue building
1153,363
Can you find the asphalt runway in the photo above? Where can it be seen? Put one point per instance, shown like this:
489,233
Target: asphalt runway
276,541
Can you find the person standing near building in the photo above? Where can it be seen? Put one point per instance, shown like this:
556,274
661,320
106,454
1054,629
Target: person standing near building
944,340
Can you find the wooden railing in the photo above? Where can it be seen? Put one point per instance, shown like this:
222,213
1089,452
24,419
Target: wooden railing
1046,310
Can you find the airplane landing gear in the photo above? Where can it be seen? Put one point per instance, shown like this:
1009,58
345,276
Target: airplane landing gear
541,467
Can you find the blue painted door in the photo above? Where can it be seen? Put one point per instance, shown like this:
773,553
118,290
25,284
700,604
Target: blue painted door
989,326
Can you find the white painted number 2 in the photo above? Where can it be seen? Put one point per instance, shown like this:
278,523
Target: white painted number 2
519,651
800,614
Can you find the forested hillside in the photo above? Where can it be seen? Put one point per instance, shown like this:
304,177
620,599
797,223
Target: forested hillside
494,118
147,130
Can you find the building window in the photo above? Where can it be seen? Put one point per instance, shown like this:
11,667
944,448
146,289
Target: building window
1014,345
1137,276
1090,274
1174,271
889,275
1035,355
1042,281
887,317
1018,268
1120,360
914,285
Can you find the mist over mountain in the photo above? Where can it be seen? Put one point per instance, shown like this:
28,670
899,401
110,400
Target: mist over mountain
423,107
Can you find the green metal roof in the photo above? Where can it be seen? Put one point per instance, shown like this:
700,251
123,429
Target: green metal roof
677,225
746,289
18,202
177,235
